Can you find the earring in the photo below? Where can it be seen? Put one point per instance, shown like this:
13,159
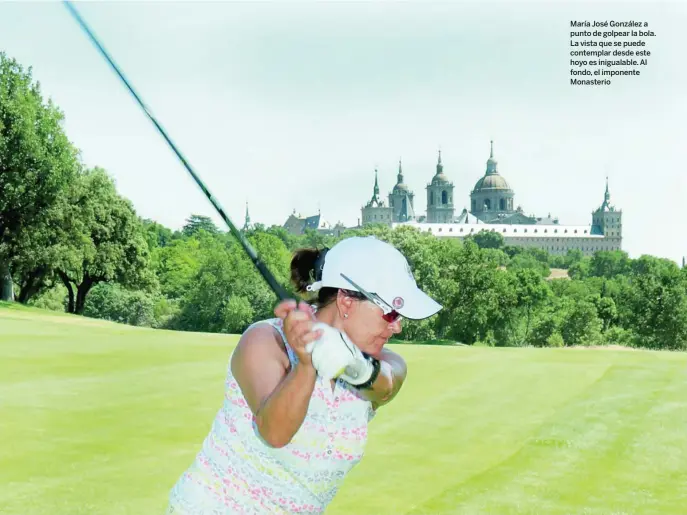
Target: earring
345,315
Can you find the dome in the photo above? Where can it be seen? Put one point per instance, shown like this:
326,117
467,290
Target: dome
491,179
439,179
401,188
491,182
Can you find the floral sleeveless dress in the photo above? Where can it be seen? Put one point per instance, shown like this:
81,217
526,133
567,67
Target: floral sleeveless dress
237,472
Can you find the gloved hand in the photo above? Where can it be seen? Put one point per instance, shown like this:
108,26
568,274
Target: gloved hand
335,355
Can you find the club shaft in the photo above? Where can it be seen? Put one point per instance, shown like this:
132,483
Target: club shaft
278,289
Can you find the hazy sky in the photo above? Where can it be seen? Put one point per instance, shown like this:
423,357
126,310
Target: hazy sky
293,105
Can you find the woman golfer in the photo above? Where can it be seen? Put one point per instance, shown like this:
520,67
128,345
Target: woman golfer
302,387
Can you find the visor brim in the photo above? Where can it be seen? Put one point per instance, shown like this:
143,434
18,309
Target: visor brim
417,305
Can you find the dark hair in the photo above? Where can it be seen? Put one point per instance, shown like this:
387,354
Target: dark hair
306,268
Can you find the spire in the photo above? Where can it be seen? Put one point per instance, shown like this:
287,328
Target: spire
399,177
246,224
440,167
492,164
607,198
375,201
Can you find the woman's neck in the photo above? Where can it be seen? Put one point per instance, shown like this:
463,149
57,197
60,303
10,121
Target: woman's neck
329,317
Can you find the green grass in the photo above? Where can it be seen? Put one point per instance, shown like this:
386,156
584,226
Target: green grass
99,418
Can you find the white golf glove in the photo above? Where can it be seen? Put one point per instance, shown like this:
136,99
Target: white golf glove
335,355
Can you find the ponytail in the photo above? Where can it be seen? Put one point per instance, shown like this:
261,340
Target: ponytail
306,267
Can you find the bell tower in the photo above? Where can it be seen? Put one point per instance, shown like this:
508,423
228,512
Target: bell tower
608,220
401,199
440,207
375,212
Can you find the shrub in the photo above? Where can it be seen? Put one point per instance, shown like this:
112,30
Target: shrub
555,340
109,301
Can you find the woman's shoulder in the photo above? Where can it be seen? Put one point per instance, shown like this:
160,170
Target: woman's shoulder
269,330
261,340
265,324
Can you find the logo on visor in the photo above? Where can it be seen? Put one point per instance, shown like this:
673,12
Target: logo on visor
397,303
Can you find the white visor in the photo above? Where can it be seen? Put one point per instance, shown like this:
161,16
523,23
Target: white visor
380,269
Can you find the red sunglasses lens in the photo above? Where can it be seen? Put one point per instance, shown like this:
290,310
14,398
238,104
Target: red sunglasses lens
392,316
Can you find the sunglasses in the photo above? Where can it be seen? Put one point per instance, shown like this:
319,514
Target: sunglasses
389,314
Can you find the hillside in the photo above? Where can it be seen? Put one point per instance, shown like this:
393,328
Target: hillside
102,418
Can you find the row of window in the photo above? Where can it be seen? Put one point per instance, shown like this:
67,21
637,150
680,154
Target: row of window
504,204
565,231
445,199
583,249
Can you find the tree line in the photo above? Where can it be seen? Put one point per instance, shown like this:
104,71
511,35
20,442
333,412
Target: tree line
69,241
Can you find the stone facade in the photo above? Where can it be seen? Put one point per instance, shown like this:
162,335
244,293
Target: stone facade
298,225
492,208
491,200
401,199
440,197
375,212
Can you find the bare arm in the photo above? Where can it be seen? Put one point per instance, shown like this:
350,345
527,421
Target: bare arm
391,376
277,393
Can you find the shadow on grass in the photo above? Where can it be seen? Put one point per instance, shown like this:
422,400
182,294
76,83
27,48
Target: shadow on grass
13,305
448,343
18,306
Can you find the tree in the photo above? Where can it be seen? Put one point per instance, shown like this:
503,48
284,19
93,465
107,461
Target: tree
488,239
109,301
53,240
573,256
580,269
574,322
574,290
157,235
37,161
513,250
496,256
176,266
607,311
540,255
434,263
49,241
557,261
227,293
291,241
112,245
546,326
531,292
609,263
381,231
657,303
196,223
481,300
315,239
527,261
581,324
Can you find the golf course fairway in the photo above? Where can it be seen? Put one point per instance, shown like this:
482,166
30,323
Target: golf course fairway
102,418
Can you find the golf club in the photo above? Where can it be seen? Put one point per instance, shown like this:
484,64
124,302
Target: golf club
277,288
